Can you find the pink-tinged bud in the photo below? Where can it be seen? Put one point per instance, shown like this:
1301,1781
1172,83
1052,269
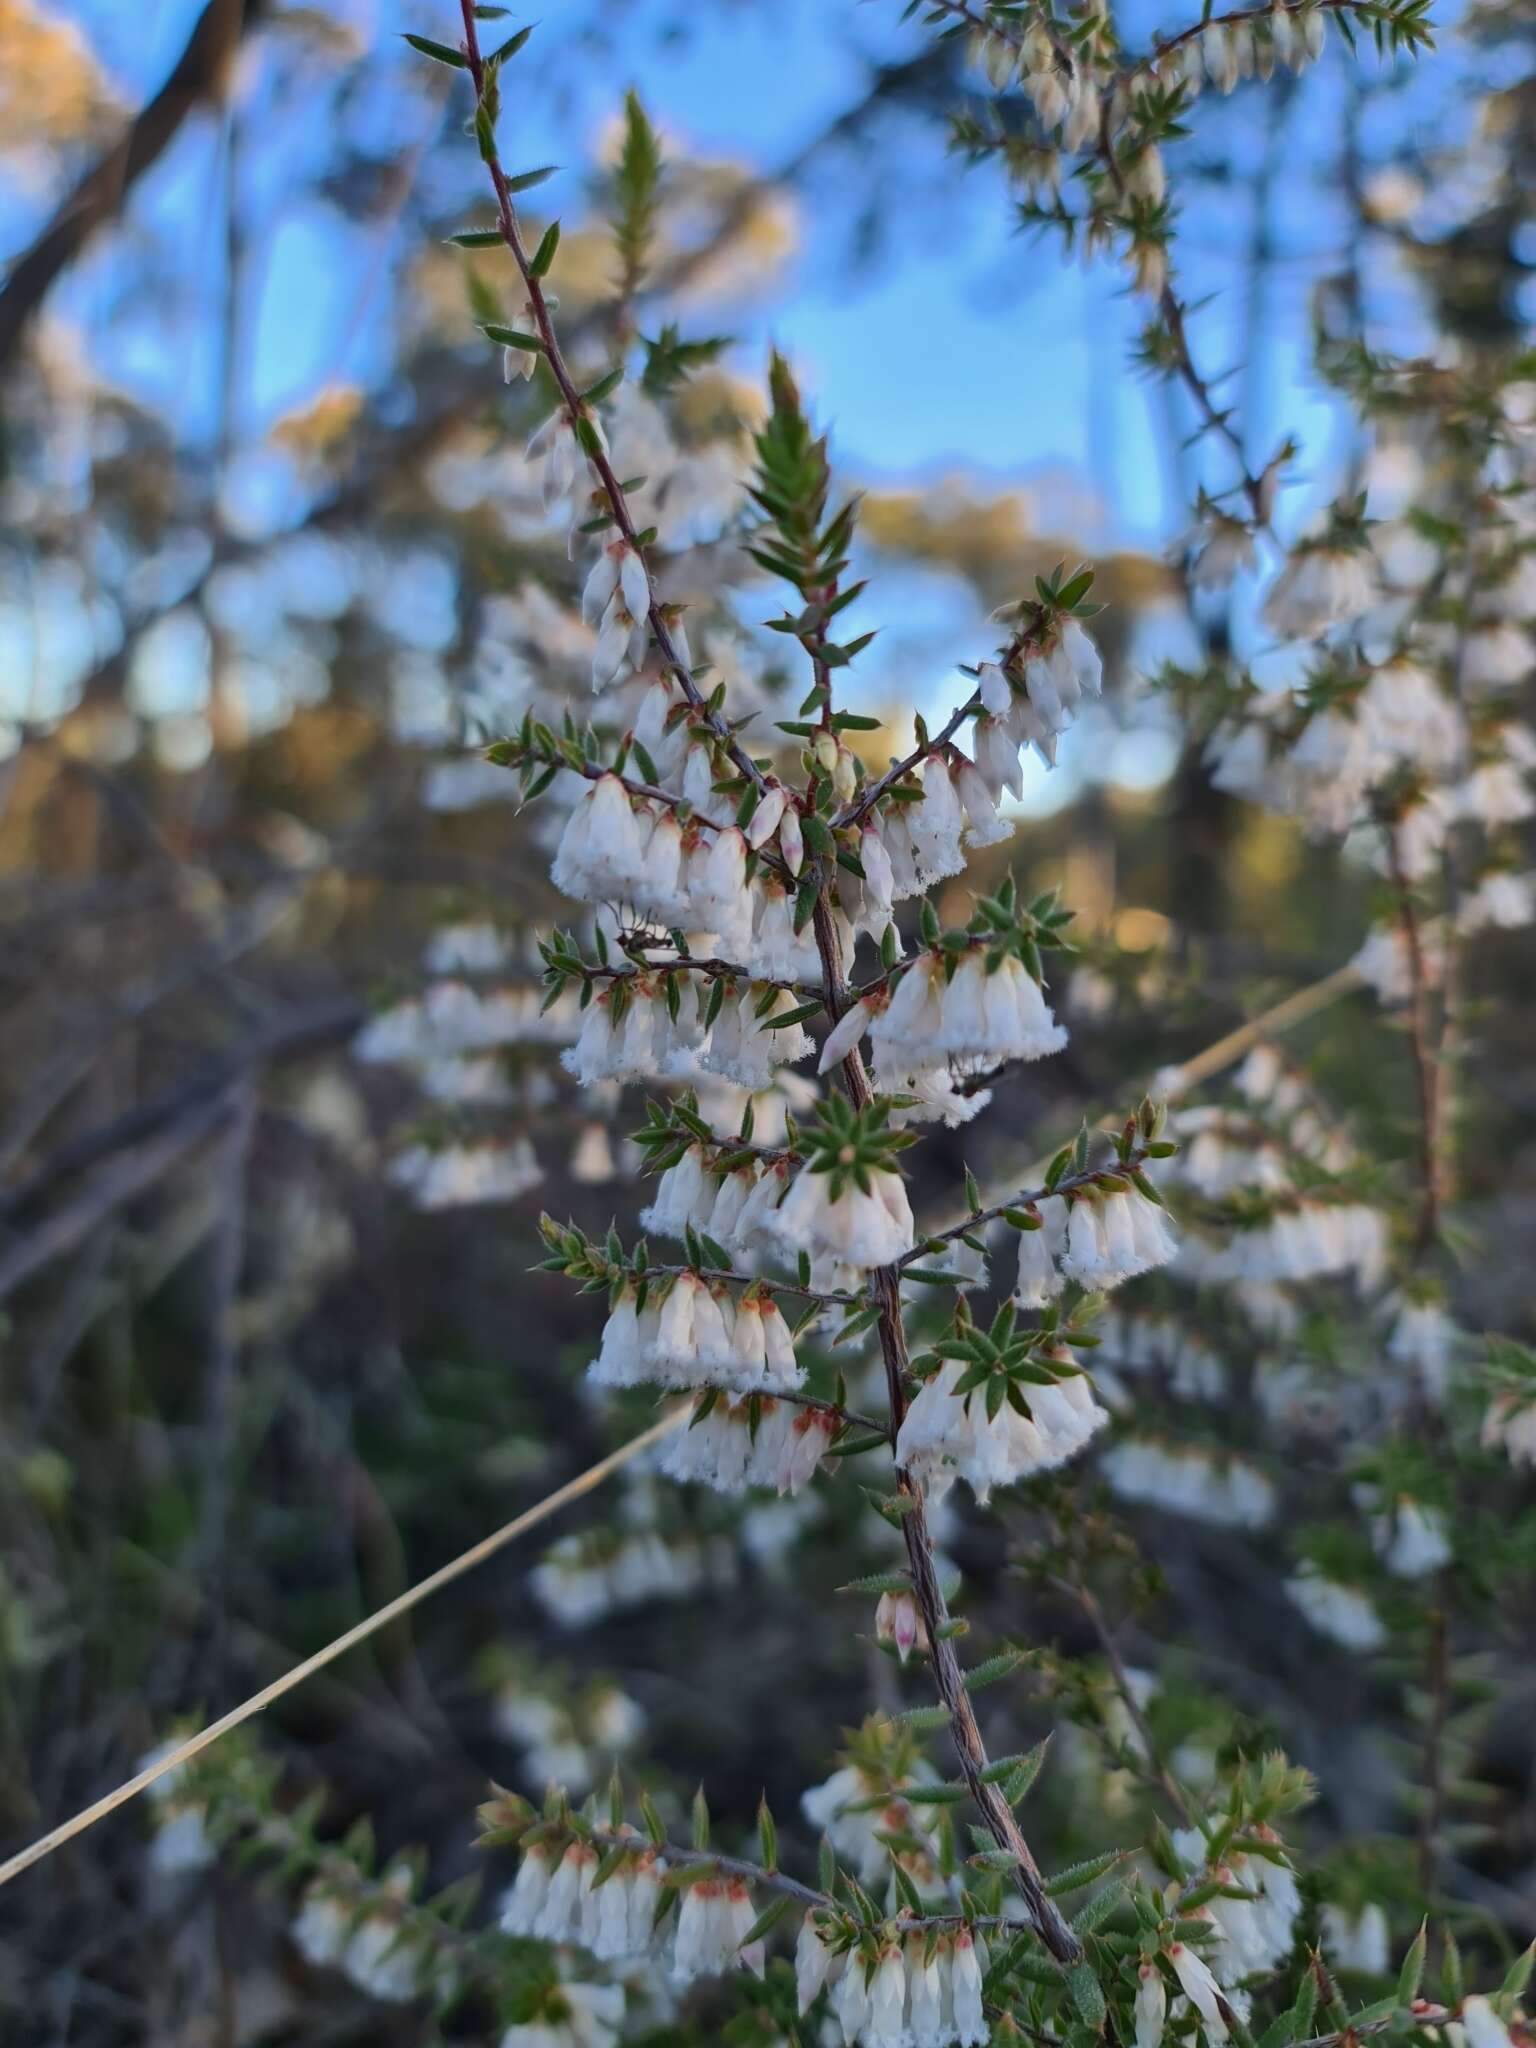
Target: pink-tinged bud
765,819
897,1621
791,840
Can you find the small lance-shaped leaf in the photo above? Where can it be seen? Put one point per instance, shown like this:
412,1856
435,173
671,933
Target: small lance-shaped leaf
438,52
767,1835
700,1820
652,1820
993,1669
768,1919
1411,1975
1087,1994
1519,1975
1076,1875
1020,1783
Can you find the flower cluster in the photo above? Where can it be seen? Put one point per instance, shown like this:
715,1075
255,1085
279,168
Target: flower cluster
734,1445
692,1333
918,1990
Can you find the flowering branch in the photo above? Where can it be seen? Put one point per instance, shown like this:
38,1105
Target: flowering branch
1127,1172
996,1811
577,403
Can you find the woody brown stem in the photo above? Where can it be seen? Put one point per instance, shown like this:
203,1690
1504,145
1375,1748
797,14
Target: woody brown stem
1045,1917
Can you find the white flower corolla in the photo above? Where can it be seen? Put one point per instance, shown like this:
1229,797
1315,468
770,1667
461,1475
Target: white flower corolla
1410,1538
1301,1240
1482,2025
628,1033
181,1841
850,2001
719,898
886,2025
1358,1940
1149,267
970,2022
1401,718
322,1924
905,1032
1497,657
713,1921
685,1197
617,600
743,1045
382,1958
661,727
762,1348
553,449
815,1965
560,1746
1221,1153
775,951
450,1018
857,1227
1415,840
1384,961
629,1335
1509,1425
983,826
1228,1492
1223,549
1499,901
946,1435
987,1018
1049,94
582,1579
1252,1935
464,1176
603,844
936,825
1410,716
1218,52
1040,1279
844,1809
572,2016
694,1335
697,785
1321,586
1424,1338
1239,757
553,1899
1496,793
722,1449
1199,1986
1138,1343
1112,1238
470,948
1151,2006
1341,1612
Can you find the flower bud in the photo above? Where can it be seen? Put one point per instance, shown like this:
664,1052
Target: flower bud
898,1622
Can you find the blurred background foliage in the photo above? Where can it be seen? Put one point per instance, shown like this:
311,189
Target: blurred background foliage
271,567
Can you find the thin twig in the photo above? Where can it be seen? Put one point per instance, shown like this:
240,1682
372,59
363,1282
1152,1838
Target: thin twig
413,1596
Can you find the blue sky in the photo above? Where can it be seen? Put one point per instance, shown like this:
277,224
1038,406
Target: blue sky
962,348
